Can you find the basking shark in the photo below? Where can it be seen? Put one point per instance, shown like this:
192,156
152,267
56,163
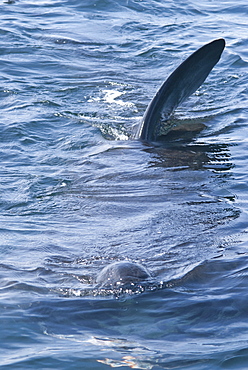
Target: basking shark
121,273
183,82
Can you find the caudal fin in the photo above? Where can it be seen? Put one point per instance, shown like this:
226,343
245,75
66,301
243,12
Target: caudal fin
183,82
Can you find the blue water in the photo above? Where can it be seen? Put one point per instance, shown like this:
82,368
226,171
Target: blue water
77,192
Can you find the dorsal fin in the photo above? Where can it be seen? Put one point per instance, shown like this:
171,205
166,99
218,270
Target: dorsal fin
183,82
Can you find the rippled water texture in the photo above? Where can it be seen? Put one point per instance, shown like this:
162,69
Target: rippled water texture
78,193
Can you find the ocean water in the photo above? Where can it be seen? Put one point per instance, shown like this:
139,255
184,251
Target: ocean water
77,192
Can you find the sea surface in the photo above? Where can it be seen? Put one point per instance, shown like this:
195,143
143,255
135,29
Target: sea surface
77,192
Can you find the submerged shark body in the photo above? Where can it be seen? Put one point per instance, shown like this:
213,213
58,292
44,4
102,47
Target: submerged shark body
183,82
